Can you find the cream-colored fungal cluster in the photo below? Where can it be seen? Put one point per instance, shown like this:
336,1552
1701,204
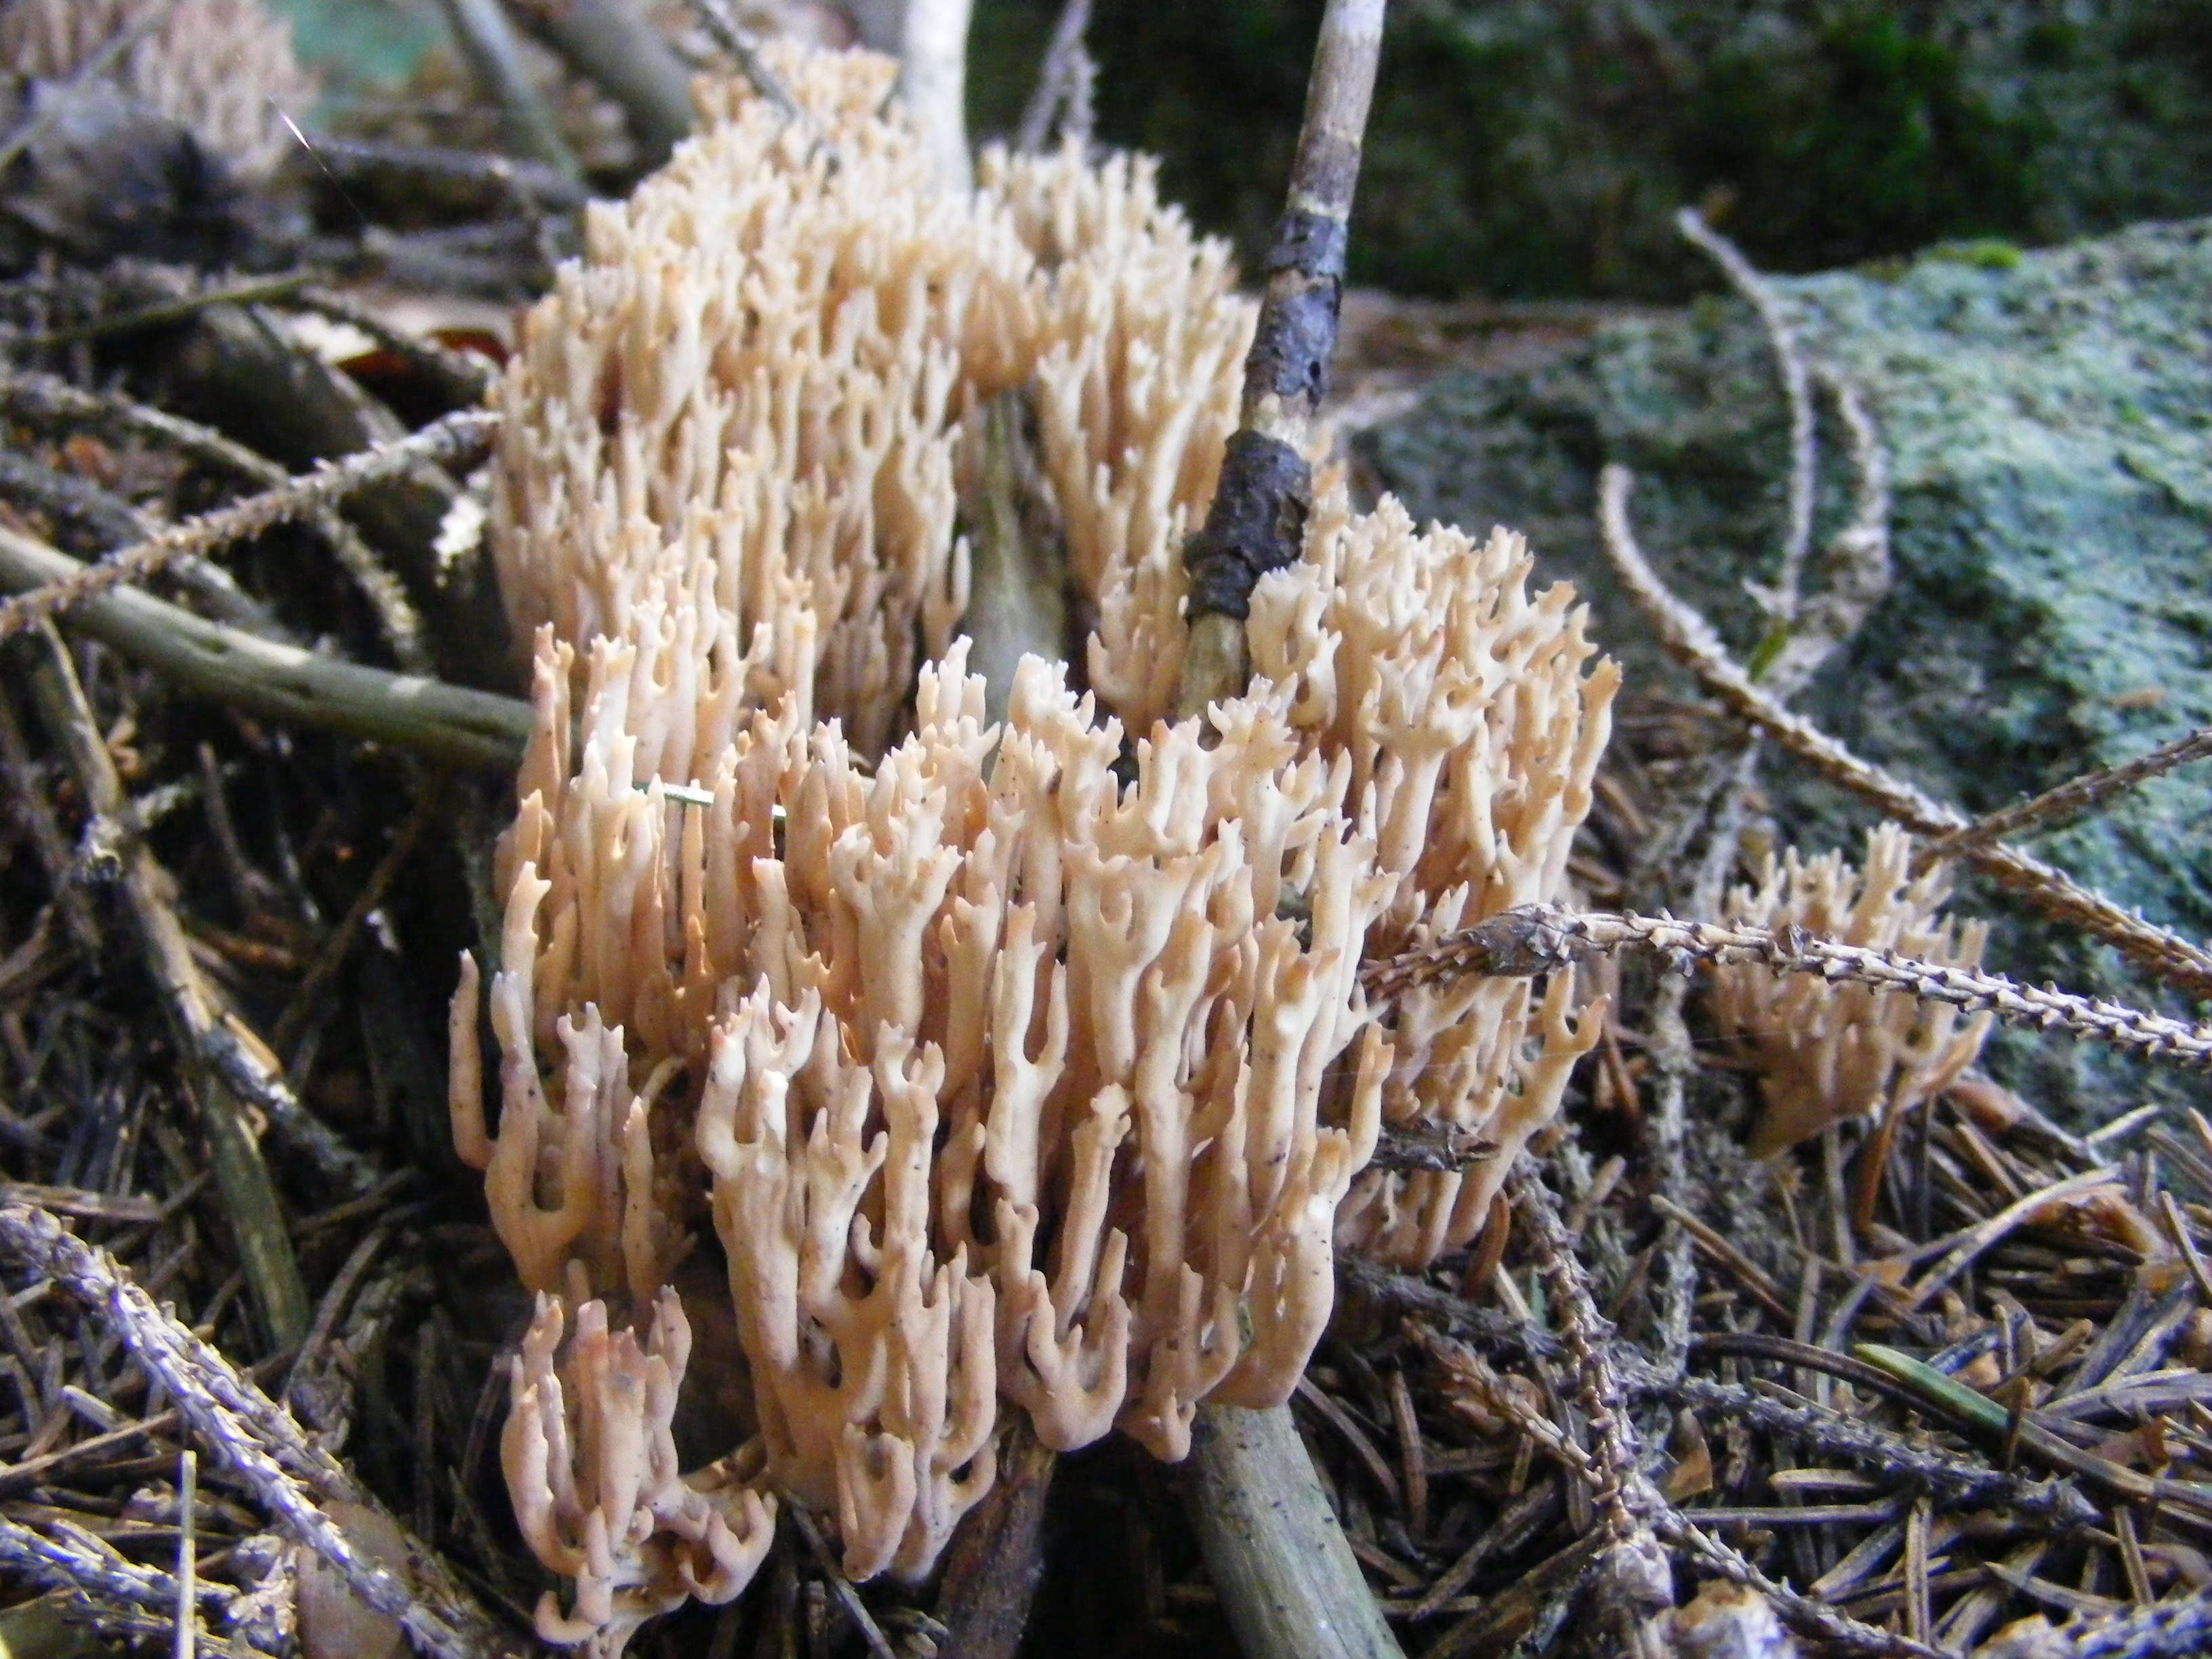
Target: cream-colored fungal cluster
1000,1079
1825,1052
1474,732
1018,1068
222,69
749,392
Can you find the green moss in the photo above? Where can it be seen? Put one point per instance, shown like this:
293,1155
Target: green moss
1985,253
1536,148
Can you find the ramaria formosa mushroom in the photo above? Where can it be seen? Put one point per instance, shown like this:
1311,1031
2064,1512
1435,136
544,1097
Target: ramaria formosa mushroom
590,1455
1827,1052
1012,1064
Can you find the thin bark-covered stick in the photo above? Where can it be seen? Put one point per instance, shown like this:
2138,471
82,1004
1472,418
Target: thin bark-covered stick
1690,639
500,178
1844,1634
1535,939
1856,566
455,437
487,40
738,44
256,1438
255,1214
474,729
1449,1325
55,854
1958,1481
49,399
1063,81
98,1590
612,44
1286,1578
2064,802
175,307
188,1495
2178,1629
338,944
1632,1581
1796,391
1257,520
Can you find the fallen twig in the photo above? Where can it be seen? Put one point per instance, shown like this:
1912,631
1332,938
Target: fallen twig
616,48
1845,1633
737,41
254,1437
457,435
1955,1479
1536,939
1287,1579
1797,391
48,398
1633,1581
487,41
2064,802
257,1218
463,727
1063,86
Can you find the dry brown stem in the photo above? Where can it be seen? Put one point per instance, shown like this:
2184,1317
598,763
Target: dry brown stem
253,1437
455,437
1537,938
2064,802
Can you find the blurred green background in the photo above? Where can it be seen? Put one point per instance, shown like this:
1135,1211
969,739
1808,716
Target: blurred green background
1526,148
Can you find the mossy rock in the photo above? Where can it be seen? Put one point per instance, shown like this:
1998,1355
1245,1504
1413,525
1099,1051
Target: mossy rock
2048,420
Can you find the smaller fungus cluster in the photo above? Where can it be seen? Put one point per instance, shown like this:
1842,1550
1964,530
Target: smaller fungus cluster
1826,1052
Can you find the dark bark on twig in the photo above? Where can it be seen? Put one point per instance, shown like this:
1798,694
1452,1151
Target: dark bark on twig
1286,1576
1258,518
472,181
